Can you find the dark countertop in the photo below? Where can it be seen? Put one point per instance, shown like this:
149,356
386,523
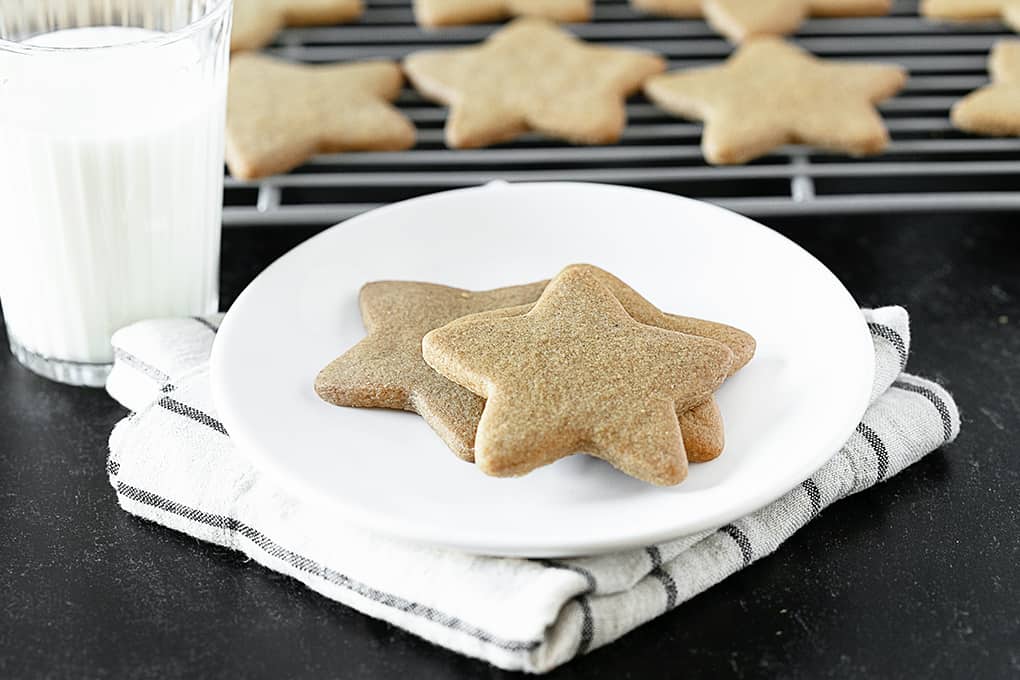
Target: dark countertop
917,577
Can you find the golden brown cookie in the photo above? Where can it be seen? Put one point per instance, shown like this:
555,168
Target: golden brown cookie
973,10
434,13
739,20
701,426
386,369
995,108
740,343
771,93
532,75
703,432
578,373
279,114
256,22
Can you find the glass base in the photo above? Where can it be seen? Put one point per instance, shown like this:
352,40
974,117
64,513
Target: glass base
68,372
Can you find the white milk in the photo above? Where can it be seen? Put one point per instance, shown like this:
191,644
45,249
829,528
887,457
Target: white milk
111,179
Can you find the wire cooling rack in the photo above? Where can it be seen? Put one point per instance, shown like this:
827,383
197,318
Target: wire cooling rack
928,164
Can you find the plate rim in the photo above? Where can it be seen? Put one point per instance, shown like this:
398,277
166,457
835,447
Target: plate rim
354,514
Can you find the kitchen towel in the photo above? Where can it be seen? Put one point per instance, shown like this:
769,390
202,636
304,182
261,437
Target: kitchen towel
172,462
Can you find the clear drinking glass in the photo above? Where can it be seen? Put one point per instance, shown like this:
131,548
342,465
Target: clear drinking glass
111,172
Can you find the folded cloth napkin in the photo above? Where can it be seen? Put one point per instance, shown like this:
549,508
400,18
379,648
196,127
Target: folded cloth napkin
172,462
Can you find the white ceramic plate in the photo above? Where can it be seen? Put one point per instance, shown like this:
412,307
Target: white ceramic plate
785,413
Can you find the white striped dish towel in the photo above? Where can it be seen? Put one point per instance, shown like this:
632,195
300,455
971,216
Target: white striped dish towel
173,462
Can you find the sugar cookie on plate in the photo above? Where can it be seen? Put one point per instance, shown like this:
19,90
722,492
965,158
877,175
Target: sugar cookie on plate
386,369
577,373
701,425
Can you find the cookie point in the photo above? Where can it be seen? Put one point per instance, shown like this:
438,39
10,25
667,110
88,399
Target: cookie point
324,387
672,474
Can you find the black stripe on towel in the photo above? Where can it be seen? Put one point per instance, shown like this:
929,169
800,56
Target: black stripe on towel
587,626
668,584
193,413
895,339
313,568
206,323
936,400
814,494
878,446
742,541
587,621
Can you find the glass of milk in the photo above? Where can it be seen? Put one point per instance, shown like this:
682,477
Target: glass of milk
111,172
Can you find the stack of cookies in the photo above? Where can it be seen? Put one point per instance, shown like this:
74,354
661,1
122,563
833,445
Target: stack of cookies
516,378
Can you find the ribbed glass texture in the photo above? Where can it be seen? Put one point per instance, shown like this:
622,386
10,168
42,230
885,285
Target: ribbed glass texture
111,171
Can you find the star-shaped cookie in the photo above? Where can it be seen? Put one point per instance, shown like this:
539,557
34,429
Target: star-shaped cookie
256,22
386,369
532,75
701,426
995,108
739,20
770,93
973,10
433,13
578,373
279,114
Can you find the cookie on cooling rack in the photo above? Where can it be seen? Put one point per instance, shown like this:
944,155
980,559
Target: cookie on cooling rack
770,93
995,108
739,20
435,13
532,75
256,22
279,114
973,10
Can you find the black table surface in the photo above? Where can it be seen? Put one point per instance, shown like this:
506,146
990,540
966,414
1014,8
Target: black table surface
918,577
